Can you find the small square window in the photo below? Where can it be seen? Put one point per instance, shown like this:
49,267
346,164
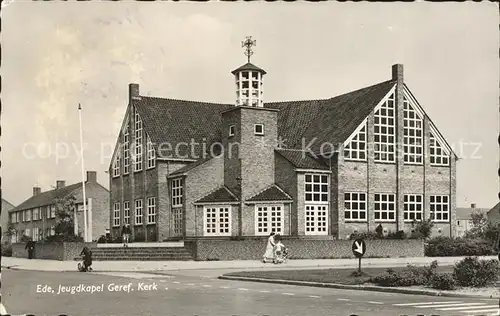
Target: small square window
231,130
259,129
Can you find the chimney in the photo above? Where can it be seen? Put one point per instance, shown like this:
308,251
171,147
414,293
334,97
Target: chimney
397,73
133,92
60,184
36,191
473,205
91,176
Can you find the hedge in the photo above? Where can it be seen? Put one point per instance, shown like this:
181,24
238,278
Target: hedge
457,247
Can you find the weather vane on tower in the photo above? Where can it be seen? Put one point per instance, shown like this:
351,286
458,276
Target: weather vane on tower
248,43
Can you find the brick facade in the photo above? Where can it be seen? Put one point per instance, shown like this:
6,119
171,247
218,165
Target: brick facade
250,164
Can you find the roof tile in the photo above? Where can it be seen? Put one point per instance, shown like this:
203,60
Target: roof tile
273,193
221,195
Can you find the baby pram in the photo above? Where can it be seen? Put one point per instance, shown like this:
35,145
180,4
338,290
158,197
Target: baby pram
86,264
281,255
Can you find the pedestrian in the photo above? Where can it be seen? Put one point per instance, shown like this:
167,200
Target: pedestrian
126,235
269,254
278,250
87,259
30,246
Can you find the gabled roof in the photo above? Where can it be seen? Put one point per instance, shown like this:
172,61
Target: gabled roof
495,208
464,213
47,197
221,195
170,121
273,193
301,159
6,205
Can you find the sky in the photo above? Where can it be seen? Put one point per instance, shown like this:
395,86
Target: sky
56,55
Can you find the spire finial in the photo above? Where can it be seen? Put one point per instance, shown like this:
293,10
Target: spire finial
248,43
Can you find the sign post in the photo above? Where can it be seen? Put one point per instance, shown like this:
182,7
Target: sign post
359,249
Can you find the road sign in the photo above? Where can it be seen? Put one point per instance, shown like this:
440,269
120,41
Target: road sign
358,248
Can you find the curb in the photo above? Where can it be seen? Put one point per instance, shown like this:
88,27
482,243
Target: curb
372,288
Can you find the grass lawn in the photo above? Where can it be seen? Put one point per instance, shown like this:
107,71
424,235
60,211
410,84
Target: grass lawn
338,276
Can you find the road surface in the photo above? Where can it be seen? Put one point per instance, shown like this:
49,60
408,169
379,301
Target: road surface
200,293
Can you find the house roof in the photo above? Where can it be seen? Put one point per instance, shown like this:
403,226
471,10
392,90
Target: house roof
170,121
6,205
301,159
464,213
495,208
49,197
273,193
221,195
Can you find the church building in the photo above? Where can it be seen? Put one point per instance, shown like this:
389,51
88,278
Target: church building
321,168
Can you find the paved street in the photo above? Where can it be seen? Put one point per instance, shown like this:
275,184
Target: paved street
187,293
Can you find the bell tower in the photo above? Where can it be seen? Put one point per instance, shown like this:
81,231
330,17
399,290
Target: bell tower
249,79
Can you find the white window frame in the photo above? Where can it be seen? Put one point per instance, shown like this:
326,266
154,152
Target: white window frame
116,166
52,211
413,207
151,210
437,154
255,129
382,206
35,234
355,149
413,134
353,204
138,211
126,149
269,218
28,215
151,154
52,230
138,143
13,217
438,202
177,220
126,213
316,219
217,220
231,130
177,192
116,214
384,131
36,214
314,188
27,232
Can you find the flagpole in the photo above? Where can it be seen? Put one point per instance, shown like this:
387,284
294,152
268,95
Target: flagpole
85,237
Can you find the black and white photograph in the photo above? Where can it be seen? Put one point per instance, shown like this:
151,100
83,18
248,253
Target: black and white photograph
250,158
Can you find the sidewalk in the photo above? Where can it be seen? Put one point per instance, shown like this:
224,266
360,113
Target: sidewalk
137,266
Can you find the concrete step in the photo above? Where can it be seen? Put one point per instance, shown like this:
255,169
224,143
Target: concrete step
142,255
120,247
139,251
144,259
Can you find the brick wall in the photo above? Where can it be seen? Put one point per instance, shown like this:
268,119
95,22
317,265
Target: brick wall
52,250
199,182
396,178
286,178
100,208
254,248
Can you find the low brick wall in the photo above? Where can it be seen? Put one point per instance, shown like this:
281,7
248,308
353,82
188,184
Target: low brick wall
253,249
51,250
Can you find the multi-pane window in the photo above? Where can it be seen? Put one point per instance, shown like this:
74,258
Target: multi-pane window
126,213
385,207
35,214
316,188
177,193
36,234
384,132
116,214
355,206
138,212
52,211
259,129
438,155
151,154
177,220
138,142
217,221
356,149
27,232
413,207
116,165
13,218
126,150
413,137
27,215
52,230
440,208
151,210
268,219
316,220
